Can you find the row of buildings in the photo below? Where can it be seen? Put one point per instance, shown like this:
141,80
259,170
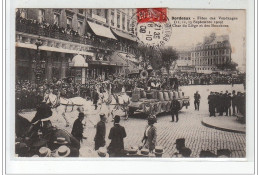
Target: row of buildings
205,57
87,43
96,43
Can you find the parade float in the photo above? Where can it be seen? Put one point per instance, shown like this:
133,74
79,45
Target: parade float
153,102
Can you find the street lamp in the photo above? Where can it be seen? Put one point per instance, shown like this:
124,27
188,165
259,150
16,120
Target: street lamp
38,65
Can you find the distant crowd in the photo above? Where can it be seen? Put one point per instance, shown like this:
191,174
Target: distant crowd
207,79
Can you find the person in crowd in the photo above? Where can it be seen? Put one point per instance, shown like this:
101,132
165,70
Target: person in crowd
100,132
175,107
78,128
211,102
150,134
95,98
116,135
234,102
221,103
197,101
227,103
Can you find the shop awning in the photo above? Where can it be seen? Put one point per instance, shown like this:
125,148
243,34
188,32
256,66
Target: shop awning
52,49
101,30
124,35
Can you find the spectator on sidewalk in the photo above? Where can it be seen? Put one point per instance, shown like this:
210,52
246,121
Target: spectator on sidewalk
197,101
77,129
100,132
116,135
150,134
175,107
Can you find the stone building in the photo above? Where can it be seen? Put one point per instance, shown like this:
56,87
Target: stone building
215,50
183,62
101,37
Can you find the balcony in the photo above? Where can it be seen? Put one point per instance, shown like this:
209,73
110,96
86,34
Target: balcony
26,30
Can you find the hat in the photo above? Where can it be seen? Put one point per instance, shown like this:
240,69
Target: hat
158,151
61,141
22,148
180,142
132,150
117,119
62,151
102,152
152,118
39,143
81,114
186,152
102,115
45,152
144,151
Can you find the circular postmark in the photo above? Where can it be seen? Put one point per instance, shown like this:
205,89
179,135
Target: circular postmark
151,26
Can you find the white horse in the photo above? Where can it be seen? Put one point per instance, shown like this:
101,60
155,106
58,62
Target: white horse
61,105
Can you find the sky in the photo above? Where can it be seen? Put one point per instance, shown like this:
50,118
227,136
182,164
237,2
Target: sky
187,36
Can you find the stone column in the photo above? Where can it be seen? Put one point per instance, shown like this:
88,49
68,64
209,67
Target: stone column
49,66
83,76
63,66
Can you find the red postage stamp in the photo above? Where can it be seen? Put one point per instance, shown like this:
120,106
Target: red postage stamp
151,15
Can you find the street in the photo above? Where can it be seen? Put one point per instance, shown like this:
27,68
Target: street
197,136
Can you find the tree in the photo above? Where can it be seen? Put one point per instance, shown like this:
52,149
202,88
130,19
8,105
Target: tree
228,66
168,55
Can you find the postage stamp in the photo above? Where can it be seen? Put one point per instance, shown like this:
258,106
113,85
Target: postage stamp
153,27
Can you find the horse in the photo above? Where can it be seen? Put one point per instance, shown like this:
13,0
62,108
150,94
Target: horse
60,104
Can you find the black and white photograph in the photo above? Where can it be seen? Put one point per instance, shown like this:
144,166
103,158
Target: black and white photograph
130,83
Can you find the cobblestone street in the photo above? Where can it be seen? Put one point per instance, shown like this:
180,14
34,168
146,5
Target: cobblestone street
198,137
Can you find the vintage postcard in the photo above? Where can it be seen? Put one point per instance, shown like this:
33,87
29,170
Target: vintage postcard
121,82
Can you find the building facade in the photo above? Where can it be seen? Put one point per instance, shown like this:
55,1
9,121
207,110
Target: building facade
184,63
216,50
94,34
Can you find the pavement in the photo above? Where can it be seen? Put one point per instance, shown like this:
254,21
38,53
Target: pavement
197,136
224,123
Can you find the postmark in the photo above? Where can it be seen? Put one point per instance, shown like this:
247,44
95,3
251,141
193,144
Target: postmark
152,26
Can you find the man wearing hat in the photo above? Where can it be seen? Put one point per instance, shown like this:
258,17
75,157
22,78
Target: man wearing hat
77,129
150,134
116,135
175,107
101,132
197,101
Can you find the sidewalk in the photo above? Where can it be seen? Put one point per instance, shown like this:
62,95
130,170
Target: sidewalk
224,123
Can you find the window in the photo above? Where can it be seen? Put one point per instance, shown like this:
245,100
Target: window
112,17
41,15
128,27
118,20
81,11
99,12
106,14
80,26
123,22
69,22
56,18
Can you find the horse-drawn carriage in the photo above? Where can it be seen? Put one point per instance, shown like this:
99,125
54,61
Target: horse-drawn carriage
155,101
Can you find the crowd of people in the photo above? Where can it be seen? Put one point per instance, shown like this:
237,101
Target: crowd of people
68,33
49,141
208,79
28,95
226,103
